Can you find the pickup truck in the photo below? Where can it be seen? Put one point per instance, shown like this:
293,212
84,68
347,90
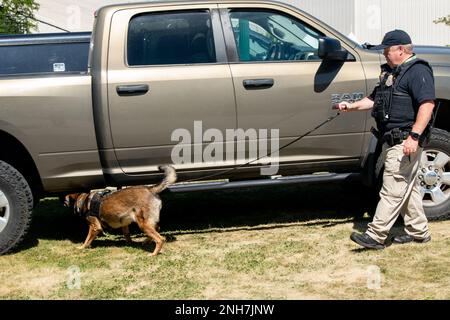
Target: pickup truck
83,111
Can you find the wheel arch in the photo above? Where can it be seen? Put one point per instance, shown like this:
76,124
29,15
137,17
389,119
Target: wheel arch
14,153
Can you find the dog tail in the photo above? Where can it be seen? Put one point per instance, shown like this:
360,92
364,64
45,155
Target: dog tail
170,178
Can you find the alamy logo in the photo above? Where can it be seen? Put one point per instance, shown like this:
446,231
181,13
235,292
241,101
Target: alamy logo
373,277
214,146
73,278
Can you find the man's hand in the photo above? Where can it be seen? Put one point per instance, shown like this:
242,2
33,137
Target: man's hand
343,106
410,146
361,105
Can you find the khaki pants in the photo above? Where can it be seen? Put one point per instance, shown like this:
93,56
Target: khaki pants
400,194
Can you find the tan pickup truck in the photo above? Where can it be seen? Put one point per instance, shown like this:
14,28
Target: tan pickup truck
83,111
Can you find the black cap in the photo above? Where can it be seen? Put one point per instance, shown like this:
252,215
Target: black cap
393,38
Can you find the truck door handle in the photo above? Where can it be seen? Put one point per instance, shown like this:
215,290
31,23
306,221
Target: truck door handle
133,90
258,84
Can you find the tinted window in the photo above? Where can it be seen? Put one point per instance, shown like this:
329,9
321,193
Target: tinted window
44,58
273,36
171,38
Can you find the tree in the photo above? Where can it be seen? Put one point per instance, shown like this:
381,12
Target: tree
445,20
17,16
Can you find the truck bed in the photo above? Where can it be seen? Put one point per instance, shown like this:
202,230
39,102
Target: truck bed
45,89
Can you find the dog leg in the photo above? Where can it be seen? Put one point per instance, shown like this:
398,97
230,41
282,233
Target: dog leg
150,240
159,239
151,232
95,227
126,234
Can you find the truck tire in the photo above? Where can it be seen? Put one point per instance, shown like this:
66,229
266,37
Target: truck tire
16,203
434,176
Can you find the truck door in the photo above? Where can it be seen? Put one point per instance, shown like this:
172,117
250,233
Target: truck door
166,71
280,82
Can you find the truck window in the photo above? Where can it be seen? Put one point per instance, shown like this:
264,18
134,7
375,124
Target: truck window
263,35
44,58
182,37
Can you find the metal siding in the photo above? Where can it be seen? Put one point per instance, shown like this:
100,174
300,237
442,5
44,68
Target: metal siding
338,14
417,20
364,20
369,20
70,14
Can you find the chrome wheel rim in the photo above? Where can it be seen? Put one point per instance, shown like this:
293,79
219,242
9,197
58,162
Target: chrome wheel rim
4,210
434,177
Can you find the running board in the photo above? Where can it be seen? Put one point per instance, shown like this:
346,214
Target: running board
277,180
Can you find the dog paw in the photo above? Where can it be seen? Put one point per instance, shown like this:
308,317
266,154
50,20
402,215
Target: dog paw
81,247
147,241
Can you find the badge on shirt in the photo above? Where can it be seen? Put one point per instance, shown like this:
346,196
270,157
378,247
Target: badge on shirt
382,76
390,80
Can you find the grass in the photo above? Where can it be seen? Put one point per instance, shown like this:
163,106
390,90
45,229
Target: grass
265,243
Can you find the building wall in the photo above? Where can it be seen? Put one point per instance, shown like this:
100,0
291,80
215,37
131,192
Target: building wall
71,15
362,20
338,14
369,20
418,20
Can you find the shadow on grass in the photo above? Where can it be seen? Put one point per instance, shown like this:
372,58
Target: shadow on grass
221,211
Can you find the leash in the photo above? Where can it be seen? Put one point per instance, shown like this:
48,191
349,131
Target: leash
435,113
283,147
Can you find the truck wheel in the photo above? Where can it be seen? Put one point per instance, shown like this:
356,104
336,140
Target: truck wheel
16,203
434,176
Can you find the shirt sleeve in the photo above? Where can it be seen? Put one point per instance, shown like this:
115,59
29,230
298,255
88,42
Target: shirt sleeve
372,95
421,84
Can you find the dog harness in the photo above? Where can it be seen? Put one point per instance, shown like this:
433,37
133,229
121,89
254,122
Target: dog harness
95,202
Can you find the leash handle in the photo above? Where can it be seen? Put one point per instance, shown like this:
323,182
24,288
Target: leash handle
268,155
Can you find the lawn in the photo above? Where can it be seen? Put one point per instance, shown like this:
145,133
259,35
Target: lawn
265,243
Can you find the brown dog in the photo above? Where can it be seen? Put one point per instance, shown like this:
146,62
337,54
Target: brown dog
139,204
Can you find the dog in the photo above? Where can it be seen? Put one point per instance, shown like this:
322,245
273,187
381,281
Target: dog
139,204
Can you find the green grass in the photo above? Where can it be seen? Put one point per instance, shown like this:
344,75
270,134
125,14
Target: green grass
266,243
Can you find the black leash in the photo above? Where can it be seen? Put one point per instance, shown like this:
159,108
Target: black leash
435,113
285,146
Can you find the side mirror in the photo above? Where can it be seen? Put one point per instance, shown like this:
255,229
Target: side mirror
330,49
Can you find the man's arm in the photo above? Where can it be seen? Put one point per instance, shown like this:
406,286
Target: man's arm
422,120
423,116
364,104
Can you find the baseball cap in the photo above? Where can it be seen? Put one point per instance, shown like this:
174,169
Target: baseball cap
393,38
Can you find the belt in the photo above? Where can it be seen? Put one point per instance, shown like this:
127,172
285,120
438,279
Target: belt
395,136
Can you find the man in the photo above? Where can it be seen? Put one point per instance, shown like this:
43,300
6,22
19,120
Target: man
402,105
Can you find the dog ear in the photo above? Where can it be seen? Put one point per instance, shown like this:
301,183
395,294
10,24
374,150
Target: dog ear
79,205
69,200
